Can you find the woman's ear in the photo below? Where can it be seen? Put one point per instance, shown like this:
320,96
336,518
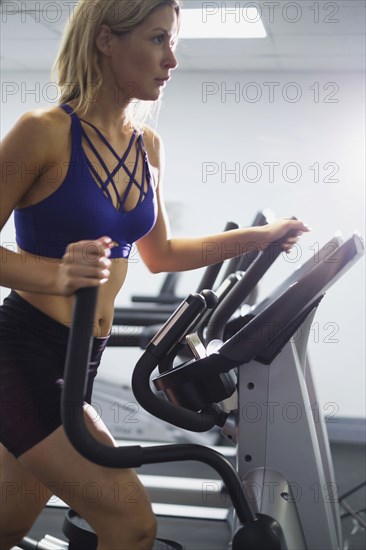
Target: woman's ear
103,39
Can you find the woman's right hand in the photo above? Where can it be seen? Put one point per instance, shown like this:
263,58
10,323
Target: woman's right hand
84,264
288,230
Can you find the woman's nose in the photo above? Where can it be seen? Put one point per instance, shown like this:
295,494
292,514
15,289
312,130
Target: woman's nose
171,60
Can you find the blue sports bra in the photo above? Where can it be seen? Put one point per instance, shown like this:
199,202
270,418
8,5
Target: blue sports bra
82,209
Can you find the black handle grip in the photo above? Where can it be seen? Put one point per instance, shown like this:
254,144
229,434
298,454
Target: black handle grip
228,306
72,399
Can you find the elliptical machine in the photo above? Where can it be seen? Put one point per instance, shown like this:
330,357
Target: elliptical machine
258,361
271,467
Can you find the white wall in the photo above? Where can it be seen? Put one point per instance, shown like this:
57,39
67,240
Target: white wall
312,127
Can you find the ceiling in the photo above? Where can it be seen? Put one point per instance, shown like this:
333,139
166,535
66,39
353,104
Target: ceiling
302,36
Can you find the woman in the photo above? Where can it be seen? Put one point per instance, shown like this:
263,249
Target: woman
76,230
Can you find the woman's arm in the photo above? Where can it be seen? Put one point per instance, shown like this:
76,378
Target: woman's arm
161,253
25,151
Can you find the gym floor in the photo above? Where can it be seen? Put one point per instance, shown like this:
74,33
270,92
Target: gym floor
350,469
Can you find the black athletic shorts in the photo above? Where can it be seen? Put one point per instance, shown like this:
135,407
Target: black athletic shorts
32,358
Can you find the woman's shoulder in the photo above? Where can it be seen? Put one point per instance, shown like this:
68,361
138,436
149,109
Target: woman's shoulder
42,132
44,119
153,145
51,121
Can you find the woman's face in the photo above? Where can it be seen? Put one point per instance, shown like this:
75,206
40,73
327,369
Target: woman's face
141,61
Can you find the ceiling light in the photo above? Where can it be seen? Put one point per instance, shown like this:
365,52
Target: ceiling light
226,22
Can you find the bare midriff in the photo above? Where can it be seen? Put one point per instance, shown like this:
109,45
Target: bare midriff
60,308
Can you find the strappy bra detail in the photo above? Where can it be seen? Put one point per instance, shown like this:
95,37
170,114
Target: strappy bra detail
83,208
121,164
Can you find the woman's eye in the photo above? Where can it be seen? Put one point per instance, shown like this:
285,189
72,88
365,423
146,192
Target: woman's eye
159,39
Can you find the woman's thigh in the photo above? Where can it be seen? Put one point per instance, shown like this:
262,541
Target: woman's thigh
32,359
108,498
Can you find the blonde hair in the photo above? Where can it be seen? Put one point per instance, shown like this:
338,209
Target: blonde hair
76,66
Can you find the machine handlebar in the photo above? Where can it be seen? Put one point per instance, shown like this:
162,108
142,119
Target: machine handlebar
231,302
